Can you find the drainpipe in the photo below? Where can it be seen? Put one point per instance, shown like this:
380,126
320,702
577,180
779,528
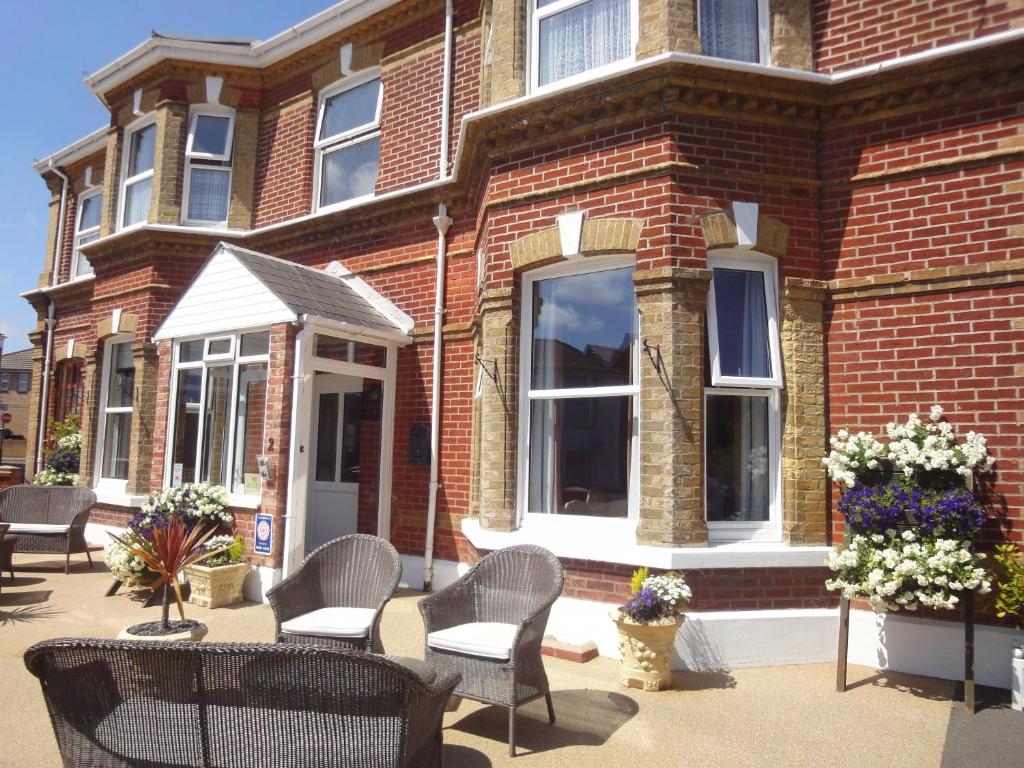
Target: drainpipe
442,222
51,322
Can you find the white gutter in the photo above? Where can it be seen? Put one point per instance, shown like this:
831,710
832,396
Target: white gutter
59,244
83,147
359,332
302,338
51,322
442,222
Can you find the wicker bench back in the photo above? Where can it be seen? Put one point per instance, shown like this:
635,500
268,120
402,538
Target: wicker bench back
50,505
129,703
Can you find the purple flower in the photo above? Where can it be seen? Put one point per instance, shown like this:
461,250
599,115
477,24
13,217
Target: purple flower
643,606
951,513
64,461
877,508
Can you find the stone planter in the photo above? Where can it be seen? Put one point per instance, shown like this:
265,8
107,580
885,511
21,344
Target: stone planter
179,630
646,653
217,586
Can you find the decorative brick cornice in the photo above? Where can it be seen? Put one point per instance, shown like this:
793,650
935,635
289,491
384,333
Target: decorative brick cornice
964,277
804,289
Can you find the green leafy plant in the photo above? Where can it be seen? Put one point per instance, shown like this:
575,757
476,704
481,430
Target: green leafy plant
1009,581
637,582
230,547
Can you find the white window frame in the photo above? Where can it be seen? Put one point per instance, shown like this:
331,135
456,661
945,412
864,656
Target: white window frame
764,32
535,15
349,138
770,530
110,484
28,381
205,159
750,262
526,394
235,362
80,233
126,181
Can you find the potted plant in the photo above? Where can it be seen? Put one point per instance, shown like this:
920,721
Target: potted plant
1010,602
647,624
63,461
218,581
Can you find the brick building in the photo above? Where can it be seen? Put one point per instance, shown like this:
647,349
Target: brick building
596,274
15,397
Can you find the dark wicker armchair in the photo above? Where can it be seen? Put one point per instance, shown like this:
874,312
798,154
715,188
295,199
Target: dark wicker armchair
48,519
7,543
338,594
489,626
144,703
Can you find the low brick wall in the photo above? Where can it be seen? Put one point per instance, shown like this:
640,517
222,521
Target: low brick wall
11,476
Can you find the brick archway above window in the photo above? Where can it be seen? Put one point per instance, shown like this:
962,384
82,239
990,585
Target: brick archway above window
743,226
71,351
587,237
118,322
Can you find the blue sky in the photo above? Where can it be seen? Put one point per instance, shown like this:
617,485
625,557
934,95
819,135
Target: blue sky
49,47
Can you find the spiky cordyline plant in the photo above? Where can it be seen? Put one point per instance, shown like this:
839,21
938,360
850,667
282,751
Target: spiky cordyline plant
171,548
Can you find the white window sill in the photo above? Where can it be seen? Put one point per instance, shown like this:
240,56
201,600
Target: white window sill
117,497
244,502
615,542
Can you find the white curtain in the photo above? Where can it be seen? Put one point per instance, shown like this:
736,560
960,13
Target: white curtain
136,206
752,501
755,360
583,37
728,29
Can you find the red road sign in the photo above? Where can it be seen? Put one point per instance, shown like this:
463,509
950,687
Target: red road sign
6,417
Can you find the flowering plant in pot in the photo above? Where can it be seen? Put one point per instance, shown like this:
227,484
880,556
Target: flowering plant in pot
218,580
1010,602
647,624
62,462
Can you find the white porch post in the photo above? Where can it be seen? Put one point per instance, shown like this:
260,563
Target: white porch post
387,446
298,474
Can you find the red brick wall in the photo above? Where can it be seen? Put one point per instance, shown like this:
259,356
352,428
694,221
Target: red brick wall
851,33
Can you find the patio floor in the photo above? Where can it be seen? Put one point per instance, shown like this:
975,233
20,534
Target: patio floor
782,716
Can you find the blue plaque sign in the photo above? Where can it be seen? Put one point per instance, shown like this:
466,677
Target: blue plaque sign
264,534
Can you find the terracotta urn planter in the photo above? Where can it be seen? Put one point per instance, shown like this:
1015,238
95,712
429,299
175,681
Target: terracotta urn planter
646,652
217,586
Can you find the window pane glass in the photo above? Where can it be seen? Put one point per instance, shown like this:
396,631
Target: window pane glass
255,343
186,423
140,156
5,382
347,351
583,37
327,438
738,479
90,216
252,405
116,445
583,330
211,136
349,172
121,381
216,413
190,351
742,316
136,204
220,347
350,438
82,265
208,192
23,382
580,455
350,109
728,29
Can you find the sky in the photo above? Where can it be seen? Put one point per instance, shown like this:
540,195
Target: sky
49,47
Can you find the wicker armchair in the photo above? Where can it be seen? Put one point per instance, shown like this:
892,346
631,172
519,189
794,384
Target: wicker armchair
489,626
7,543
48,519
338,594
121,703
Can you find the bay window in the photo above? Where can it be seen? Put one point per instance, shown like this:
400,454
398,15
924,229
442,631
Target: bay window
117,400
742,444
347,141
208,166
137,173
579,392
572,37
217,411
87,229
736,29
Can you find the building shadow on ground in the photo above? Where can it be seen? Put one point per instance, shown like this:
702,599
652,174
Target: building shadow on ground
584,718
458,756
988,739
931,688
689,680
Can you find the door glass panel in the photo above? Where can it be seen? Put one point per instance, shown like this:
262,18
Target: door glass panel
327,438
348,351
252,404
186,422
738,482
215,426
350,437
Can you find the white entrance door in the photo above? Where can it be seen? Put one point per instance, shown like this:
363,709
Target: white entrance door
333,501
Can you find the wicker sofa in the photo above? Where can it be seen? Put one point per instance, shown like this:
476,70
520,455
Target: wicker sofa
48,519
145,703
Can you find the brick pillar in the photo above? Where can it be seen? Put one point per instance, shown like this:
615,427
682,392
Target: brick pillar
792,35
803,412
38,339
243,169
161,399
169,163
667,25
672,304
91,376
52,225
112,182
508,50
499,411
140,458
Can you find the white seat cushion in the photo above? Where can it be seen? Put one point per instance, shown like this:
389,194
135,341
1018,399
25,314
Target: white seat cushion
37,528
490,639
331,622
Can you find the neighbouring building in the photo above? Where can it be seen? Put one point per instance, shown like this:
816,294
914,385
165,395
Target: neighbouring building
600,275
15,396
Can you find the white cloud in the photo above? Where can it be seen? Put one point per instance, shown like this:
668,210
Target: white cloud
555,321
